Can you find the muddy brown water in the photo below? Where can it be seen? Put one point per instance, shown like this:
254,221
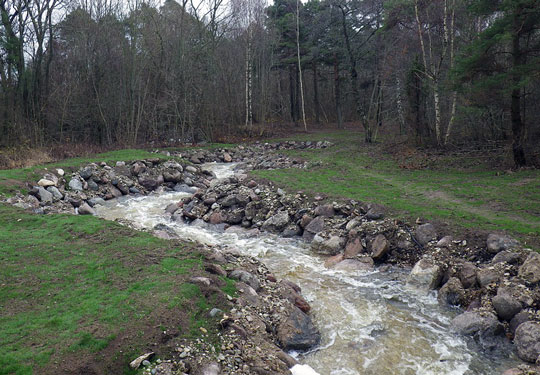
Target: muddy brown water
371,322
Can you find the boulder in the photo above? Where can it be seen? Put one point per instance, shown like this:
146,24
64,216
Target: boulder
452,293
467,275
277,223
374,213
116,193
44,196
86,172
506,256
520,318
45,183
355,265
55,192
138,168
330,246
353,248
530,269
85,209
95,201
247,278
527,341
149,182
92,185
425,275
446,241
315,226
216,218
326,210
505,304
489,275
425,233
333,260
172,175
353,223
291,230
227,157
484,327
212,368
379,247
229,201
496,243
297,331
184,188
191,169
75,184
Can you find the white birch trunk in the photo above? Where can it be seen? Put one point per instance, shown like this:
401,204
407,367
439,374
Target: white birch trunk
299,63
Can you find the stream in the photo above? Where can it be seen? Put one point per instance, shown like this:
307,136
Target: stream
371,322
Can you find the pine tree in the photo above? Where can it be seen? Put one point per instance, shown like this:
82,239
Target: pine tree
504,58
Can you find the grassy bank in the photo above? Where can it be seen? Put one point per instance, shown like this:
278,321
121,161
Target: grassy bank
461,190
80,295
78,292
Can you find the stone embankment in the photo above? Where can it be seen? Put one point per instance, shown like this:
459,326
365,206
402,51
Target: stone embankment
497,283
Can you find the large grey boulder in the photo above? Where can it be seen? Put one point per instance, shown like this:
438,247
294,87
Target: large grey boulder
425,275
75,184
86,172
506,256
172,175
452,293
277,223
488,275
325,210
497,242
505,304
247,278
355,265
85,209
315,226
467,275
379,247
327,246
530,270
44,195
425,233
484,327
527,341
55,192
297,331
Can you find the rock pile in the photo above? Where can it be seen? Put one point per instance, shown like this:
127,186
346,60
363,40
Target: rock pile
497,284
256,156
267,318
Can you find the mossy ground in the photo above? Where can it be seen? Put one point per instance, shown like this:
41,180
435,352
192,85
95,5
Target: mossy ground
462,190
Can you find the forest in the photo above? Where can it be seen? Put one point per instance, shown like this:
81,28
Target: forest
442,73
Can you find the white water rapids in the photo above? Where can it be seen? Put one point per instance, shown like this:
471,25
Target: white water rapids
371,323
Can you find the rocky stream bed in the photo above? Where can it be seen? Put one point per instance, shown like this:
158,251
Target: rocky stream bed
378,295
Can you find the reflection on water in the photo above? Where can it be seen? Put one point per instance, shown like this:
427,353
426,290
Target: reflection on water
371,324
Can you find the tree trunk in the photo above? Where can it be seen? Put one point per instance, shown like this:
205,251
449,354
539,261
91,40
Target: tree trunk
316,104
300,63
518,128
291,94
337,92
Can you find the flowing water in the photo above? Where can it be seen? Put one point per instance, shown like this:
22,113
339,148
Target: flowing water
371,322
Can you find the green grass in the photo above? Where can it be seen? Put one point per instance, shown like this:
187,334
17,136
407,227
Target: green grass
472,197
70,285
